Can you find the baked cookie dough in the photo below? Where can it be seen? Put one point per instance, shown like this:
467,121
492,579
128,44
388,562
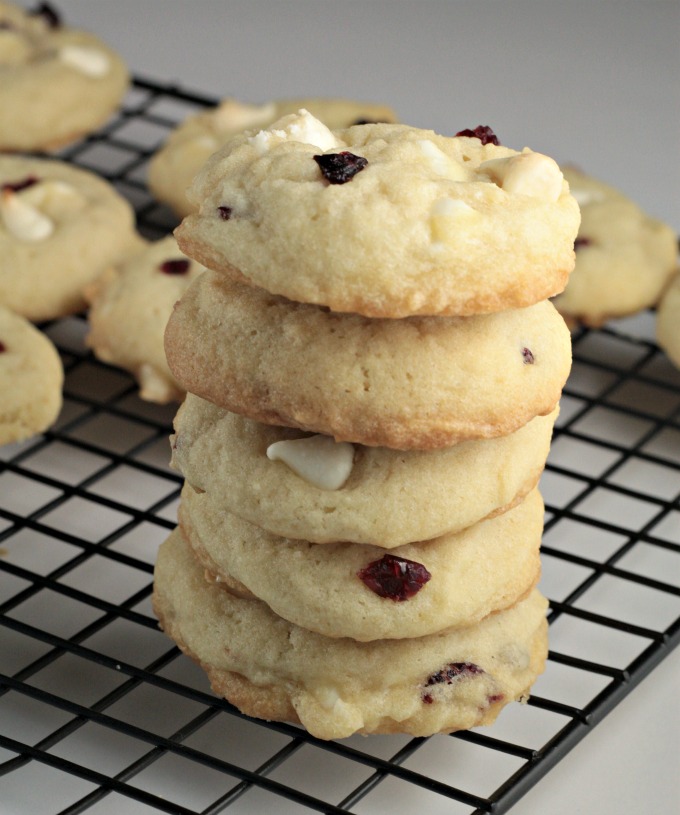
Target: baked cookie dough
416,383
31,379
272,669
388,497
129,308
189,146
358,591
384,220
624,258
668,321
56,84
60,227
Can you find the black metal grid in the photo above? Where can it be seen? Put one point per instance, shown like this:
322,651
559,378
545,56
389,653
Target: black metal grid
99,713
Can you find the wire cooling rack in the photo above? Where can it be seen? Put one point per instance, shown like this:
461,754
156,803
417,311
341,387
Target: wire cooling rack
100,713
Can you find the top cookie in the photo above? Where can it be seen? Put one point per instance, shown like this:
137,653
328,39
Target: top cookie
174,166
384,220
56,83
624,258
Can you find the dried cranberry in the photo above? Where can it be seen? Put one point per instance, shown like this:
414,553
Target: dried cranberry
579,242
224,213
495,697
394,577
452,672
3,347
338,168
174,266
482,132
528,356
48,13
17,186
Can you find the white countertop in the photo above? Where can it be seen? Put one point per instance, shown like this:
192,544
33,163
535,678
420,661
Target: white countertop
595,84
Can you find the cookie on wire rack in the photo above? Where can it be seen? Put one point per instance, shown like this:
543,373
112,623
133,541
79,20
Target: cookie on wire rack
129,306
57,84
31,379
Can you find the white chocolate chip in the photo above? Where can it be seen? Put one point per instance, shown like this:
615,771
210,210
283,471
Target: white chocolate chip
231,116
328,697
584,196
24,221
52,192
89,61
441,163
527,173
320,460
300,127
445,213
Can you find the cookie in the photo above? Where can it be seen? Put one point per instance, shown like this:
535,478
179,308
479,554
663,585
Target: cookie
351,492
31,379
56,83
174,166
624,258
416,383
129,308
358,591
668,321
272,669
385,220
60,227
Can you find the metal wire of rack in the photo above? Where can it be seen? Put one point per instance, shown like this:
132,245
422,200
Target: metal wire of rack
100,713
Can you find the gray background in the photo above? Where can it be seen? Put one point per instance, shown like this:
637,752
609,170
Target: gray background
591,83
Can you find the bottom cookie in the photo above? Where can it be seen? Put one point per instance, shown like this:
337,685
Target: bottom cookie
272,669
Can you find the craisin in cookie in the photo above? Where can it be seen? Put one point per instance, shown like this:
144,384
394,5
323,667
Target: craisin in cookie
624,258
56,83
31,378
384,220
359,591
416,383
267,667
129,308
174,166
60,227
311,488
668,321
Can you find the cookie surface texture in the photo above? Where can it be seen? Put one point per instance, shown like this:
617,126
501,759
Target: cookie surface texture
416,383
421,223
31,378
56,83
60,227
624,257
354,590
389,498
270,668
129,308
190,145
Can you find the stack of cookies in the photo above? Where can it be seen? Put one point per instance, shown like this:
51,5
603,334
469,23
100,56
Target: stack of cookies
373,371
